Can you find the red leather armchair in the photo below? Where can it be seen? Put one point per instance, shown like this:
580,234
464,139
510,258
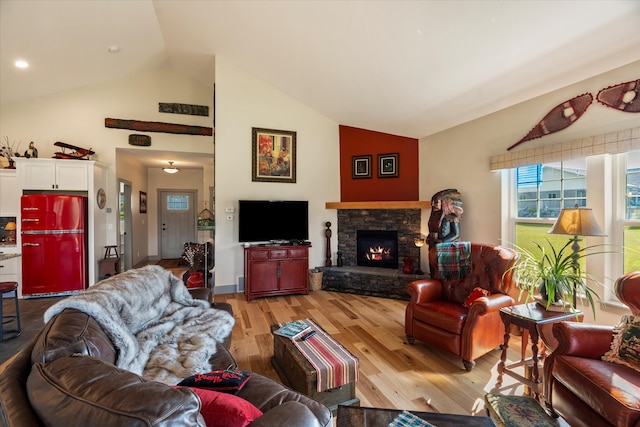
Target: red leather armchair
579,385
436,313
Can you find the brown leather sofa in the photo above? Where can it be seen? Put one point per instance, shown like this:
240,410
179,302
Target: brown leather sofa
579,385
79,358
437,315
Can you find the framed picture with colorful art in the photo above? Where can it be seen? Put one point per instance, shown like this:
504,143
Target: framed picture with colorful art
273,155
388,165
361,166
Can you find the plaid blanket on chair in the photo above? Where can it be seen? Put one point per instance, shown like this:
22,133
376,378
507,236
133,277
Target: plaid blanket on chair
454,259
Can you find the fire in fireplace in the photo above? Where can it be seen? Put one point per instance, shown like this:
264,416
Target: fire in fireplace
377,248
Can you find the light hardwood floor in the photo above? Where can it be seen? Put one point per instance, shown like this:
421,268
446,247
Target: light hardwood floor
393,373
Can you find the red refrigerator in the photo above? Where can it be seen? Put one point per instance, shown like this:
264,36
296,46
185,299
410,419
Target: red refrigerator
54,258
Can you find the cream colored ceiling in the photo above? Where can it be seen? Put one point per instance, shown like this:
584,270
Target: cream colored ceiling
410,68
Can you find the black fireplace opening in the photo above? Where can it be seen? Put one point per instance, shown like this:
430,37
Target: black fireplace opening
377,248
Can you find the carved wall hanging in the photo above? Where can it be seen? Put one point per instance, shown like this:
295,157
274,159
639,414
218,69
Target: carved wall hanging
622,97
139,140
560,117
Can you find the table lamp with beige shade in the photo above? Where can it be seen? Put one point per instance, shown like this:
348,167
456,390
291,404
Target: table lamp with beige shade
11,228
576,221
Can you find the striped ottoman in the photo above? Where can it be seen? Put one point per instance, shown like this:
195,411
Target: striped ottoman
297,372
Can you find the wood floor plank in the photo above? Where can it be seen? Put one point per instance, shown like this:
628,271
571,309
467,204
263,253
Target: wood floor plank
393,373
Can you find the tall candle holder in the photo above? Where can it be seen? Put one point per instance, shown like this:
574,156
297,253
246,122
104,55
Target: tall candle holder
419,242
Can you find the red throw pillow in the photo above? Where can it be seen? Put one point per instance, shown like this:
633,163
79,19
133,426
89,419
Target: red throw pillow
225,410
229,380
475,294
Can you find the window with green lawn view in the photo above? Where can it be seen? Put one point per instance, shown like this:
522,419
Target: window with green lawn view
543,190
631,222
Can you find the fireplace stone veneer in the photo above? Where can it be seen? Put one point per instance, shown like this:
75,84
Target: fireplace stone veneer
373,281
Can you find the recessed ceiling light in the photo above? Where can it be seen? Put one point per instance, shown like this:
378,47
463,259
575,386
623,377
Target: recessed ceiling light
21,64
114,49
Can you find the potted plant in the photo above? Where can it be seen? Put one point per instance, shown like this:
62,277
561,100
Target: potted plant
554,276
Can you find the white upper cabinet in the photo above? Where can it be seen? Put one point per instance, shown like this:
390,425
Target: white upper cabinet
9,198
53,174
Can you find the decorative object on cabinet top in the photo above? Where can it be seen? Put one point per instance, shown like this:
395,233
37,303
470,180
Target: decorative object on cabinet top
78,153
32,151
8,150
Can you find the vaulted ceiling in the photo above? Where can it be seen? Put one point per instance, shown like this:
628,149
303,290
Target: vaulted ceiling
411,68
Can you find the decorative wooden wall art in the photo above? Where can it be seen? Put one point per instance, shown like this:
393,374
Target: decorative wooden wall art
192,110
142,126
560,117
139,140
622,97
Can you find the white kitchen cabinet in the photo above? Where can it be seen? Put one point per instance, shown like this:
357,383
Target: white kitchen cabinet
9,268
53,174
9,198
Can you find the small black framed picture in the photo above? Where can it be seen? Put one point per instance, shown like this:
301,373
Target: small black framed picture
143,202
388,165
361,166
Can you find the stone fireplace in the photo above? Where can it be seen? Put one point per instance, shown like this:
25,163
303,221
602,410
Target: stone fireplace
374,279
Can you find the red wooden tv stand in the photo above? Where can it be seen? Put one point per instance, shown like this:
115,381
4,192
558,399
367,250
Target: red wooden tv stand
276,270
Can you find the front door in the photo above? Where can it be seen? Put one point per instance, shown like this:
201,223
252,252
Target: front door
177,221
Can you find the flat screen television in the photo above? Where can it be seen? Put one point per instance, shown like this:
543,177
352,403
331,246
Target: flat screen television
273,220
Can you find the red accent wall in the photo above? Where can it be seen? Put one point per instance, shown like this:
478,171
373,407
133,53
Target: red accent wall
356,142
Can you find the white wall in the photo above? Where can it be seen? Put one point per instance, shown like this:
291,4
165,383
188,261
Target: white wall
243,102
459,157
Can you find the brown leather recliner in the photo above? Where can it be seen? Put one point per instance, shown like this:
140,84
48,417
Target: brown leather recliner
437,314
579,385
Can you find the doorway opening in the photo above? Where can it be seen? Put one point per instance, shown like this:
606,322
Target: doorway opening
124,228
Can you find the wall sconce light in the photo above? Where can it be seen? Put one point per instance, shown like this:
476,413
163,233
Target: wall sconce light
171,169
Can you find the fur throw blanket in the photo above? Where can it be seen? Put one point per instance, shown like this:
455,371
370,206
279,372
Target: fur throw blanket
160,331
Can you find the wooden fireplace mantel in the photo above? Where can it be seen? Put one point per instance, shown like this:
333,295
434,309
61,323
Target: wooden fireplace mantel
410,204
